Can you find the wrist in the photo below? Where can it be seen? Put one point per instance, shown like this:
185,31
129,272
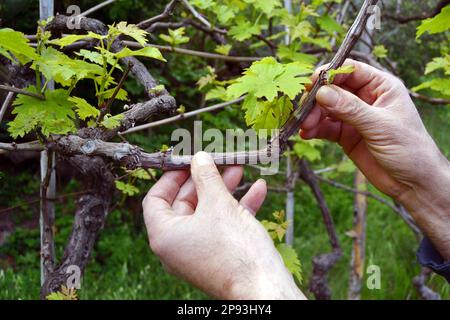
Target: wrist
428,201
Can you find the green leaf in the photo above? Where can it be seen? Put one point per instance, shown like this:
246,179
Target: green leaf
126,188
143,174
441,85
130,30
52,116
289,81
216,93
55,296
291,260
69,39
266,6
291,53
112,122
223,49
437,24
202,4
347,69
175,37
97,58
224,13
276,229
301,30
244,30
16,43
439,63
265,78
330,25
59,67
380,51
253,108
148,52
309,149
266,119
121,95
84,109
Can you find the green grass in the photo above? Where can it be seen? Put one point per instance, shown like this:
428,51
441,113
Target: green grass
123,267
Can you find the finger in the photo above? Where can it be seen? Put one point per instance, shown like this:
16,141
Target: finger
312,119
157,204
362,75
255,196
348,108
168,186
232,177
207,179
327,129
186,200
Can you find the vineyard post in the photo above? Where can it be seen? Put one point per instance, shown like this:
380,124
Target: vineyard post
48,183
358,235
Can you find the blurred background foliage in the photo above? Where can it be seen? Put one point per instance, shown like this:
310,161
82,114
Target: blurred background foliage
122,265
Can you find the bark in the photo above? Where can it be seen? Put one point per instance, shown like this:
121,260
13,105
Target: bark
291,177
92,209
359,238
323,263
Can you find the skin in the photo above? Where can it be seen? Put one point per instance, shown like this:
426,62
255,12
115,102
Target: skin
203,235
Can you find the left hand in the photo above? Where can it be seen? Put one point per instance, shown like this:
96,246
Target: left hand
203,235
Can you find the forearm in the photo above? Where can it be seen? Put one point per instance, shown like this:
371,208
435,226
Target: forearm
429,204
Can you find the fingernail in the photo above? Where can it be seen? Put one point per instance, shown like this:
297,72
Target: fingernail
203,159
327,96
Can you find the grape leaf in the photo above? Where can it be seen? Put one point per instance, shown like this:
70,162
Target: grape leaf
437,24
380,51
224,13
121,95
266,6
112,122
143,174
130,30
223,49
69,39
126,188
97,58
59,67
330,25
216,93
291,260
265,78
84,109
347,69
16,43
439,63
148,52
244,30
441,85
309,149
54,115
175,37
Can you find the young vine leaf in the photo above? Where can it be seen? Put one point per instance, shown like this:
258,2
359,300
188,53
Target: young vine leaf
15,43
53,115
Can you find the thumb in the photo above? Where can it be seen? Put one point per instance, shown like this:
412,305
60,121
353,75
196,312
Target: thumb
347,107
207,179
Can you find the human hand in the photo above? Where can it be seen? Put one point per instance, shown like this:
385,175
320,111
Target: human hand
203,235
371,115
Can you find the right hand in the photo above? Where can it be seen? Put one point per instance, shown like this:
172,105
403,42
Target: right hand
371,115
